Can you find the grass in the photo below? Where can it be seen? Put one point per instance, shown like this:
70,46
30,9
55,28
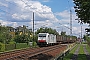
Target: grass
81,51
81,55
70,53
88,48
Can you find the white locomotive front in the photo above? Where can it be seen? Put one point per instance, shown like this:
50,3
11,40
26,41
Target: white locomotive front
46,39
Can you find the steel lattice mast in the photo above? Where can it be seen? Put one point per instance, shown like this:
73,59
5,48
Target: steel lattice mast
70,23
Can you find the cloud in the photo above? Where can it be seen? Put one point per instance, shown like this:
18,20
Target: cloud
6,23
63,14
19,17
65,22
20,12
3,4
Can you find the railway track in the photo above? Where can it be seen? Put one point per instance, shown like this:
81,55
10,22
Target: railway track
45,53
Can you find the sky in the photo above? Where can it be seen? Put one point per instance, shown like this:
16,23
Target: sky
53,14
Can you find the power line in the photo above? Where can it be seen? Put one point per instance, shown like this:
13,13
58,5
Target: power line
14,4
70,28
69,4
64,26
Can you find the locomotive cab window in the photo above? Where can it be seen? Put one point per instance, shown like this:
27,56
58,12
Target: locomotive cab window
42,35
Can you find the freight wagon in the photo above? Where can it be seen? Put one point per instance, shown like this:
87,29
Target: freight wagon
65,39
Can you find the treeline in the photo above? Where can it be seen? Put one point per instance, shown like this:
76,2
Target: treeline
9,35
19,37
22,35
47,30
5,37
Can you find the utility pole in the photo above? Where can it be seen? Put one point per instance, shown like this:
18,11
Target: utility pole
33,28
81,33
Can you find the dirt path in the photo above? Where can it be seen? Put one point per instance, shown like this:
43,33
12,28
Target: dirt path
86,52
75,55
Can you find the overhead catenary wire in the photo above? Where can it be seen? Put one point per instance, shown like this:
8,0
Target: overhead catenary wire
65,26
18,6
68,28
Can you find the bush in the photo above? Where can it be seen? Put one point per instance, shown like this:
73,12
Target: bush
21,45
35,44
2,47
21,38
9,47
12,42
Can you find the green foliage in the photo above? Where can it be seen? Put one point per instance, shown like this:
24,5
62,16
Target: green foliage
1,38
10,47
63,33
81,51
35,38
12,42
2,47
70,53
21,38
21,45
7,42
86,38
5,37
47,30
82,9
34,44
88,48
81,55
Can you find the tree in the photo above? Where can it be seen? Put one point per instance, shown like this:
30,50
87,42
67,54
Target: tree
87,39
47,30
21,38
5,37
63,33
87,30
82,9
